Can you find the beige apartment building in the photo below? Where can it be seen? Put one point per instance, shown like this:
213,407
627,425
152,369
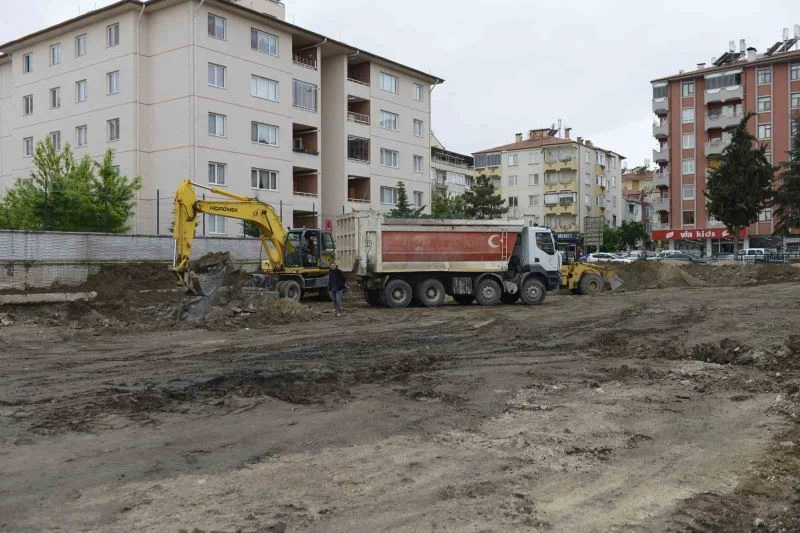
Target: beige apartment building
556,181
451,172
225,92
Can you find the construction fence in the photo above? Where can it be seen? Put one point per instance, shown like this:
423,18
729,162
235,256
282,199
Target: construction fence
36,259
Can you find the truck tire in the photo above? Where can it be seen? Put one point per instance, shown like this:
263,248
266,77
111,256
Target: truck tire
291,289
463,299
591,284
488,292
430,292
372,296
279,288
397,293
532,292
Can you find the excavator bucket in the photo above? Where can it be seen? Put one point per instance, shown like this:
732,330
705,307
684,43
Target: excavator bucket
613,281
192,284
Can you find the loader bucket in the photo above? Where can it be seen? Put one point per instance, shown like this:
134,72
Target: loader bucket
614,282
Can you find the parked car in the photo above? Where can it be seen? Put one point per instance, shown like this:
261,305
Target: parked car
677,255
606,257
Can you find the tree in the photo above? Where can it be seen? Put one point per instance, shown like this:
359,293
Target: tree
611,239
68,195
741,185
402,208
445,206
482,201
631,232
787,194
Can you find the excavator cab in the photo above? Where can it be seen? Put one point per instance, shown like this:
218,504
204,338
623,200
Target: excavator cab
308,248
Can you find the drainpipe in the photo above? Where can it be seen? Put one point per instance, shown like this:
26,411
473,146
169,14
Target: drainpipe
138,117
194,88
430,117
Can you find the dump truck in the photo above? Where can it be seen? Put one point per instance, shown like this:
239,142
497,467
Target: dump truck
400,261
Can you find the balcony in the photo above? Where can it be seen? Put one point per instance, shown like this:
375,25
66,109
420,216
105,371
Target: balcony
719,120
661,155
660,203
358,118
305,59
724,94
659,225
661,131
566,163
661,179
715,147
358,79
305,146
305,182
358,188
660,106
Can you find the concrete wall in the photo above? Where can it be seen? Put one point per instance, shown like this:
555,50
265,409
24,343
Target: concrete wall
41,259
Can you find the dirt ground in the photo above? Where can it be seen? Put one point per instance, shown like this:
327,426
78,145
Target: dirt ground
648,409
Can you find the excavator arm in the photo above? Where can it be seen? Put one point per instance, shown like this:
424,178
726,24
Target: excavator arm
188,207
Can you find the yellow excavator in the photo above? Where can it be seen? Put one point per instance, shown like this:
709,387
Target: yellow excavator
297,260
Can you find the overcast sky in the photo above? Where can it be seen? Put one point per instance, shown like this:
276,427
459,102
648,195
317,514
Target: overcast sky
511,66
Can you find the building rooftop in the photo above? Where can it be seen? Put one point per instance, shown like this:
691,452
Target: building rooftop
735,60
541,138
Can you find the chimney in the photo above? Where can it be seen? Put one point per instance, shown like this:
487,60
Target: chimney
580,140
567,132
701,66
752,53
518,137
588,142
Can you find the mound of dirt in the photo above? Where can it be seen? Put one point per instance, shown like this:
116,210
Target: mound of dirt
113,282
665,274
654,275
256,311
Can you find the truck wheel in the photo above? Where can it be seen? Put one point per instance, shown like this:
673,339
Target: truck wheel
532,292
398,293
488,292
291,289
463,299
278,287
591,284
430,293
508,298
372,296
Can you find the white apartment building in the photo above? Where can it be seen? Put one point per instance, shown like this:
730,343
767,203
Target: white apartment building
225,92
556,182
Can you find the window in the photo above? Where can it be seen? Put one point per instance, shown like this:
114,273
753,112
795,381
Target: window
764,103
533,200
80,136
55,54
765,131
795,101
80,91
418,161
263,42
216,75
688,140
27,63
216,26
27,147
687,115
215,224
113,129
513,160
416,91
587,179
264,88
763,76
389,195
27,104
601,158
730,79
659,91
533,158
587,157
389,83
80,45
687,88
388,120
513,201
55,138
216,173
357,148
264,133
587,199
688,192
115,168
765,215
304,95
688,218
389,158
216,124
264,179
55,97
487,160
113,82
794,72
417,128
688,166
513,181
112,35
417,199
533,179
768,156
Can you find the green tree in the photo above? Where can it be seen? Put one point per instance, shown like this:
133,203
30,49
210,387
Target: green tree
611,239
787,194
482,201
742,184
631,232
446,206
402,208
114,196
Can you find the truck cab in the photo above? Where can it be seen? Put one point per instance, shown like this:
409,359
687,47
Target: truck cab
535,251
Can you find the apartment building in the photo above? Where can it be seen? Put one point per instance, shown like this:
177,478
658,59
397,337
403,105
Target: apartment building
556,181
638,190
695,112
451,172
225,92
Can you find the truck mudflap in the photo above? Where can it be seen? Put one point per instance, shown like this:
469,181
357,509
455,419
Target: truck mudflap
553,281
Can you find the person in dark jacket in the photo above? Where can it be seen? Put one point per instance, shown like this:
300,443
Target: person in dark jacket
336,287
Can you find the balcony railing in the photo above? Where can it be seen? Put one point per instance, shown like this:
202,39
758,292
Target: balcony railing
723,94
660,106
309,194
358,118
304,62
716,146
660,130
364,83
662,154
358,200
305,151
660,203
661,179
720,120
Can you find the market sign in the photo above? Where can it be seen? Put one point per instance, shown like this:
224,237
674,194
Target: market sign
570,236
713,233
